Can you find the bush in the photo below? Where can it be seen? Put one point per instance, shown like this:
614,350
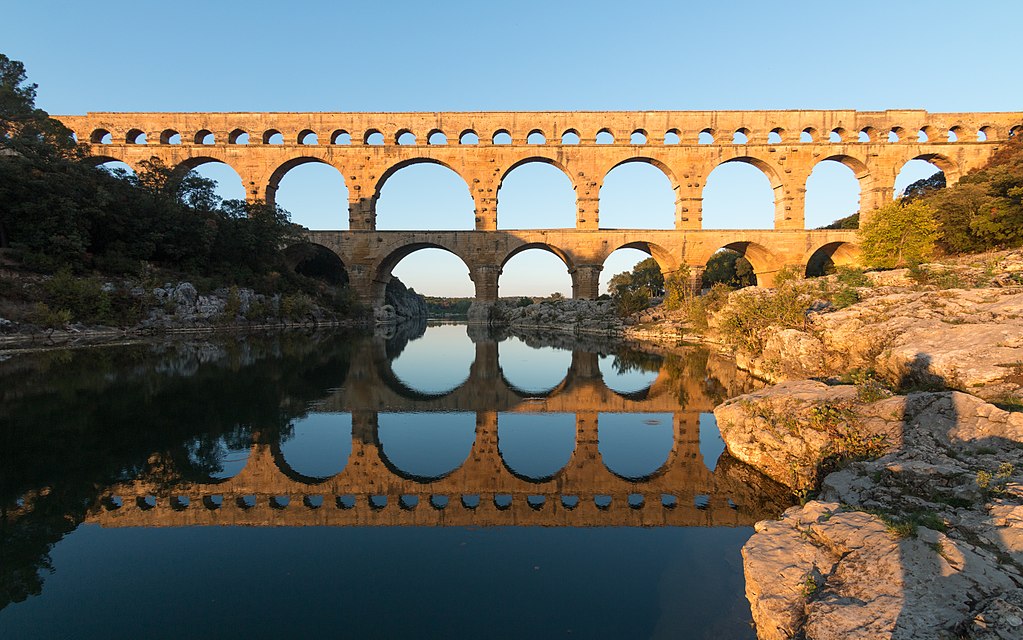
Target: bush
899,234
745,320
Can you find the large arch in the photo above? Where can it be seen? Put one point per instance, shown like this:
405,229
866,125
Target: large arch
832,192
730,207
316,261
647,201
537,268
922,167
823,259
619,260
300,186
765,263
550,206
425,180
230,185
385,268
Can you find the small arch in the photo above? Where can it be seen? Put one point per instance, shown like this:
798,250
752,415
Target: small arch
468,137
604,136
866,134
741,136
135,136
775,136
986,133
238,136
571,136
501,136
340,136
373,138
101,136
925,134
895,134
170,136
205,136
637,137
706,137
809,134
308,137
436,137
405,138
1016,131
954,133
824,259
536,137
273,136
837,135
672,136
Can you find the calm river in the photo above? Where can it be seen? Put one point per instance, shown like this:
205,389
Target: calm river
437,482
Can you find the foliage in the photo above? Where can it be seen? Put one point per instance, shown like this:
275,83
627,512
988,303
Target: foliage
848,222
745,322
729,268
57,211
645,275
678,289
898,234
632,290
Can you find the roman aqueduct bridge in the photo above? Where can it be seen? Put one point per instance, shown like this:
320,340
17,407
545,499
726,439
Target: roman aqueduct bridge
482,148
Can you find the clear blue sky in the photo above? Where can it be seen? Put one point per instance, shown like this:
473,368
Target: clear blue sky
526,55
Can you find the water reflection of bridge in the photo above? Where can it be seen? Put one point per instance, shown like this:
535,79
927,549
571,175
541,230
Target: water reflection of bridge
483,490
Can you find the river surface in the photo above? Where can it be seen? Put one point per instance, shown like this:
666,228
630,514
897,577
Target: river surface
423,482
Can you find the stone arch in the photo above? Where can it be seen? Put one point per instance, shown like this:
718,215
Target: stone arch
167,135
373,137
765,263
859,169
398,166
189,164
776,135
821,260
605,136
839,133
468,136
773,178
97,160
436,137
638,136
955,133
947,165
527,458
235,136
929,134
409,137
503,135
201,136
563,255
275,178
307,137
316,261
540,160
673,183
666,260
867,134
134,136
269,134
570,136
98,135
540,137
741,136
989,131
340,136
429,470
382,270
808,134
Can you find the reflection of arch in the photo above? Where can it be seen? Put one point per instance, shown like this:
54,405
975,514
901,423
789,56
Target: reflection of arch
820,261
281,462
553,425
456,421
544,393
669,459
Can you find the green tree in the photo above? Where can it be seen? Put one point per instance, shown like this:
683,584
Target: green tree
729,268
898,234
645,275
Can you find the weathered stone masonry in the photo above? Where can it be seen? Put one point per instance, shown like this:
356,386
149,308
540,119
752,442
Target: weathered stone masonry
364,148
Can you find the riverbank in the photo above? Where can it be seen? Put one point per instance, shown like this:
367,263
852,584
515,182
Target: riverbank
912,478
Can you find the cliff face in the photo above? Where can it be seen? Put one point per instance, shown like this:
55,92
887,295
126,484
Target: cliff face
407,304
